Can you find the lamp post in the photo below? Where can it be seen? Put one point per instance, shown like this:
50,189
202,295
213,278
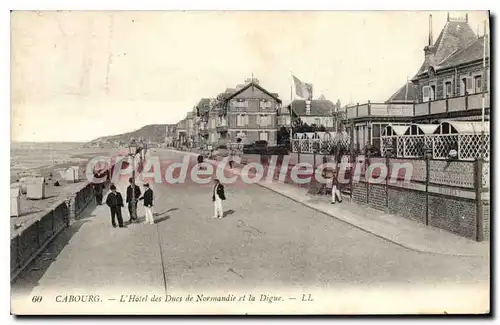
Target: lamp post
132,152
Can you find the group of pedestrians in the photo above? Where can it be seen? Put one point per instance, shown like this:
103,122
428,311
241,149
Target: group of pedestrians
115,203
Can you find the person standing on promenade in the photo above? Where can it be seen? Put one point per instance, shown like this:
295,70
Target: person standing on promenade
115,203
132,201
98,189
217,197
148,204
336,195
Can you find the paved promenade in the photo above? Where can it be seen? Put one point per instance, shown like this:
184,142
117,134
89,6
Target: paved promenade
266,243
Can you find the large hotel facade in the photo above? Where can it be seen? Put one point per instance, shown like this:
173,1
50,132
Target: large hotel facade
449,85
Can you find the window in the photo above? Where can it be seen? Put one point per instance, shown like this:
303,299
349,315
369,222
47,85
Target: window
478,83
425,93
447,89
265,104
432,94
240,103
466,86
241,120
264,120
317,121
263,136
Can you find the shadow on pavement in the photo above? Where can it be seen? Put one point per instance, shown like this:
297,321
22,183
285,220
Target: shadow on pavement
227,213
162,219
157,214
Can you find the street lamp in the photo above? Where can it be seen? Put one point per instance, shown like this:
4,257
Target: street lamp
141,149
132,152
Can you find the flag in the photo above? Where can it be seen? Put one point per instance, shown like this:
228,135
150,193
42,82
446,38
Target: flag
302,89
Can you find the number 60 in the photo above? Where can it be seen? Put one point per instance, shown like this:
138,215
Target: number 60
36,299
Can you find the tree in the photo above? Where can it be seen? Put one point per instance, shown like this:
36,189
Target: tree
321,128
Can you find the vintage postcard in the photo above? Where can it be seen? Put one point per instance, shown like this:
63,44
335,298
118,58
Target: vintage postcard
250,162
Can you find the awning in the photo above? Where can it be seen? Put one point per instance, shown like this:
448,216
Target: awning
420,129
395,130
453,127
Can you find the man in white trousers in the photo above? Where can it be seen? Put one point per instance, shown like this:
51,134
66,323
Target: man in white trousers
217,197
336,195
148,204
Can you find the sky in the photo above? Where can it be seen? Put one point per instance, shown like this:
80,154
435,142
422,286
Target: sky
76,76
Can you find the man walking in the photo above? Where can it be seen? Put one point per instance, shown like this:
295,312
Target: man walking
217,197
148,204
132,201
336,195
115,204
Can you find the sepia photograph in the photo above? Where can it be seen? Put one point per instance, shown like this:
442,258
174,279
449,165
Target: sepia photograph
250,162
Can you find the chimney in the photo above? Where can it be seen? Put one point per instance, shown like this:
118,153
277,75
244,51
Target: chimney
308,107
466,18
429,50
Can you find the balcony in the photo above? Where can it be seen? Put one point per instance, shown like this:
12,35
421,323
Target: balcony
379,109
221,126
453,104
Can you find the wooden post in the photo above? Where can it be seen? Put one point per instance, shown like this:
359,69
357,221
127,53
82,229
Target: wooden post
427,174
367,163
387,162
478,184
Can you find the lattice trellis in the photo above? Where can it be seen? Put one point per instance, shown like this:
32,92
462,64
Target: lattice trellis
469,146
442,144
307,145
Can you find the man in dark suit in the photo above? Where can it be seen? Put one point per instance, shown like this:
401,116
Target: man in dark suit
132,201
115,203
148,204
217,197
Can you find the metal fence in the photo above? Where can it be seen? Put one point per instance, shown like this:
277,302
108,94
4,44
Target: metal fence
469,146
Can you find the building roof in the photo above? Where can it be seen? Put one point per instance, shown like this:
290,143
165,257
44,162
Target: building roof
318,107
407,93
273,95
472,52
203,101
454,36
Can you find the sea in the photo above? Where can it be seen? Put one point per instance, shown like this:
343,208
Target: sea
32,157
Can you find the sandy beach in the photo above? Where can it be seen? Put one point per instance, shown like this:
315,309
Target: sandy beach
43,159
